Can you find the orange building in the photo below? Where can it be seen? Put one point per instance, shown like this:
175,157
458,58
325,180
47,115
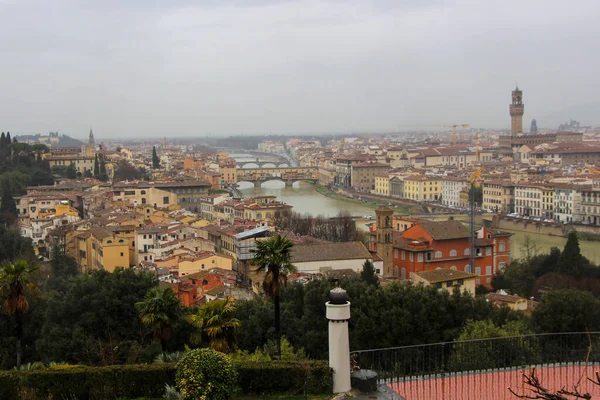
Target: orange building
501,242
192,290
430,245
189,163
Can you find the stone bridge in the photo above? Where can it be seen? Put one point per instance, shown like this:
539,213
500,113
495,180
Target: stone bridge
261,164
288,175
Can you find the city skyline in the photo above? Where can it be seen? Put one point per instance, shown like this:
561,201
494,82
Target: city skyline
280,67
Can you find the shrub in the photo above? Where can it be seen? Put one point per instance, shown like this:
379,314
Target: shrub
205,374
99,382
9,385
280,376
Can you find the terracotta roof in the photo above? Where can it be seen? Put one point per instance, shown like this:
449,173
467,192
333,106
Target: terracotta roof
330,251
444,230
443,275
504,298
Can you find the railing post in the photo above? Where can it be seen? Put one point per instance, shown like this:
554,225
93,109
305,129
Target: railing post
338,314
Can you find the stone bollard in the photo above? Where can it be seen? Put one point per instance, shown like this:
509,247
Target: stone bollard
338,314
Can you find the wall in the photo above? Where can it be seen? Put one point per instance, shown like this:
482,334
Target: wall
314,267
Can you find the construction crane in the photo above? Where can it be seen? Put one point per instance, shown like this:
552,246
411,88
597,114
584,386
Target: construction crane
455,135
477,147
474,176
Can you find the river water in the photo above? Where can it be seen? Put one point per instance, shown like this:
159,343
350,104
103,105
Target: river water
306,199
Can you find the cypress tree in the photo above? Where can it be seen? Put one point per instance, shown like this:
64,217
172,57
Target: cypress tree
155,159
571,260
2,141
96,166
8,139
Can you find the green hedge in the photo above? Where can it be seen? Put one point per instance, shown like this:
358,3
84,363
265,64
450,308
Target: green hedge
133,381
279,376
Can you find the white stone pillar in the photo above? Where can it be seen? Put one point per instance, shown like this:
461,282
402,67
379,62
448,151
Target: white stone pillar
338,314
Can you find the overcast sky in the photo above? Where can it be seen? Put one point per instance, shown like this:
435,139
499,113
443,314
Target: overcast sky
128,68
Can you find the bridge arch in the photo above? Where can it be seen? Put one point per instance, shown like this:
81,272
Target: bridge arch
250,165
283,165
268,165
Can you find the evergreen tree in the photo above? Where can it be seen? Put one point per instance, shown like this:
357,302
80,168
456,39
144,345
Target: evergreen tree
96,166
71,172
571,260
368,273
103,175
155,159
2,141
8,139
8,207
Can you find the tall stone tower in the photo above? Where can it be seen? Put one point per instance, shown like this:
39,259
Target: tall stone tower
91,141
516,112
385,241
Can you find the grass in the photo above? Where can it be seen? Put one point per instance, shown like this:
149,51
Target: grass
594,237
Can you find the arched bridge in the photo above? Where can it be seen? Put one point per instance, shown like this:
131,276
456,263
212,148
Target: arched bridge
261,164
289,175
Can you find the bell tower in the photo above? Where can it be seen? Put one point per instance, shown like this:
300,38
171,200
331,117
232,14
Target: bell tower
385,241
516,112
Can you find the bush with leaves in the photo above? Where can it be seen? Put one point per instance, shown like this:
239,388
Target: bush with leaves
205,374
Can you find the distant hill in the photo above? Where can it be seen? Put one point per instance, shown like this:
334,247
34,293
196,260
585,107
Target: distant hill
53,139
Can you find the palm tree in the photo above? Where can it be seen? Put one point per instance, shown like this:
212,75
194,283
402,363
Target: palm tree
215,325
15,284
160,310
273,257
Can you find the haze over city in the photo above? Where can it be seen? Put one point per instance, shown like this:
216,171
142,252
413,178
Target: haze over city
219,68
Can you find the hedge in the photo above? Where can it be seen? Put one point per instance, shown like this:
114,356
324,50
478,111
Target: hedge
133,381
279,376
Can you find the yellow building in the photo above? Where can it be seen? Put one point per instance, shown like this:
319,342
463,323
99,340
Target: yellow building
61,209
422,188
446,279
189,163
228,174
98,248
382,185
191,264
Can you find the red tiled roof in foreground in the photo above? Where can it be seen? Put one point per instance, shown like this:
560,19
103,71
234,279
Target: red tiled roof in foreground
494,385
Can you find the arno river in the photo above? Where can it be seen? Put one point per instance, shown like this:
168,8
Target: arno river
306,199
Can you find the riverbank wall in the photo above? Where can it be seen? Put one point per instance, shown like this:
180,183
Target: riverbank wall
545,228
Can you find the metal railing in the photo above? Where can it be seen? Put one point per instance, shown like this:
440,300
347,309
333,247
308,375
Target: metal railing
397,363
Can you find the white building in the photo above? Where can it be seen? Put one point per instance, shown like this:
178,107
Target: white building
567,203
451,188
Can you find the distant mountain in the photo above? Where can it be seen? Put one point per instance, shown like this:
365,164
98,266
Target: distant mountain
587,114
53,139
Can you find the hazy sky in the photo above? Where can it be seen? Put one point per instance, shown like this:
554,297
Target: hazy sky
129,68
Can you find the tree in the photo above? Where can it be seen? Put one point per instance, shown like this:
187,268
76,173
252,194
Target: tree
571,261
160,310
368,273
71,172
15,286
96,166
8,207
567,311
272,257
155,159
216,325
127,172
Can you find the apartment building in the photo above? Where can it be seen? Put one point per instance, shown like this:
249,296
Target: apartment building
98,248
451,188
498,196
363,175
422,188
567,203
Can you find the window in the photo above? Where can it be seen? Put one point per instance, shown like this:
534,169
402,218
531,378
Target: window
438,254
453,268
82,254
502,265
429,256
478,271
449,284
488,270
468,268
438,285
395,270
488,251
403,255
144,236
108,241
460,282
420,257
467,252
403,276
130,193
122,254
395,253
143,192
453,253
411,257
166,200
501,246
